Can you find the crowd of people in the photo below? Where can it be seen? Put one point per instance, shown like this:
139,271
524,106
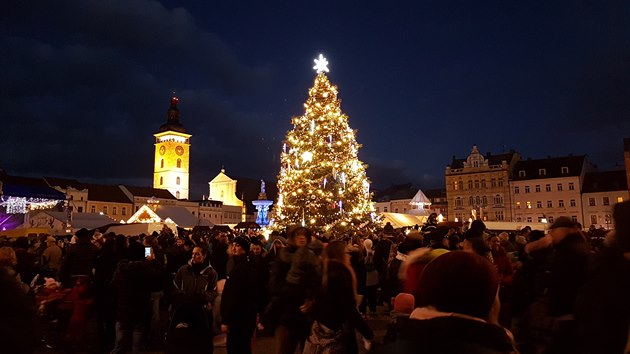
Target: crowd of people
446,289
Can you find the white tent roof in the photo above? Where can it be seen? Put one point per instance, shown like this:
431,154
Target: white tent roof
82,220
180,215
401,220
138,229
420,199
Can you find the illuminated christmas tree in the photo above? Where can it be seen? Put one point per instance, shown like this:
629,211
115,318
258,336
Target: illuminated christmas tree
322,183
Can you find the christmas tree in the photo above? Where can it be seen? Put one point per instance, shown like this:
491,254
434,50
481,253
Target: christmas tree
322,183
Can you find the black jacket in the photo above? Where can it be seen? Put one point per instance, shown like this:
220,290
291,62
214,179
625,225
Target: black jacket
133,283
241,299
79,260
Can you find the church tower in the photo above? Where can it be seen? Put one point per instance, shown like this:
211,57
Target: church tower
172,155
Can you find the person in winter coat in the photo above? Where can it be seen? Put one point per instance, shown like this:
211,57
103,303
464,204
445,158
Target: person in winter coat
292,296
371,280
602,310
79,259
133,282
197,280
457,294
335,311
241,301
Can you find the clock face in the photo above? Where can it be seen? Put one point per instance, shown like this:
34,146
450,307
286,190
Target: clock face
162,149
179,150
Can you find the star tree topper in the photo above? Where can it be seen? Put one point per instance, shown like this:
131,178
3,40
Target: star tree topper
321,64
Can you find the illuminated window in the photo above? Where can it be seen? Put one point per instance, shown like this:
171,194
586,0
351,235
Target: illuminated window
162,163
518,205
619,199
179,163
529,205
455,185
178,181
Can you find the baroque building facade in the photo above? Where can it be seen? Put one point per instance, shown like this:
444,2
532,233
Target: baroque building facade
477,187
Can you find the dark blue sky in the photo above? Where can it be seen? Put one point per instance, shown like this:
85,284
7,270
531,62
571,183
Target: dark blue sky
86,83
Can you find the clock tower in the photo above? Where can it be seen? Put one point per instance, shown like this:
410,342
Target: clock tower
172,155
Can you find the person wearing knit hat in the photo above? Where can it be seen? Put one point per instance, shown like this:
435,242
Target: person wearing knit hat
602,313
458,294
412,267
242,242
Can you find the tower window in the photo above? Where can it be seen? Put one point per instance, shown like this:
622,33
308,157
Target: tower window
161,181
177,193
162,163
179,163
178,181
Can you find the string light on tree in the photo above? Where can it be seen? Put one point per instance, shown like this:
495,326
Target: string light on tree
321,182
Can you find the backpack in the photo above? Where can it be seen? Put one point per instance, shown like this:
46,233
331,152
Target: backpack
369,262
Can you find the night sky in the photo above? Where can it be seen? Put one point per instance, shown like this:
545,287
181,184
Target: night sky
85,84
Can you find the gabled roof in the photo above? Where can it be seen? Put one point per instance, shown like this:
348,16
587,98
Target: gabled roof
149,192
106,193
82,220
64,183
222,177
607,181
179,215
552,166
419,199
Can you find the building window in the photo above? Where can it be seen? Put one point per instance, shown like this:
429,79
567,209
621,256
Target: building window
518,205
521,173
105,209
477,200
561,203
542,172
498,215
605,201
178,181
529,219
517,190
549,204
114,210
538,188
498,199
476,184
378,210
458,201
559,187
539,204
455,185
161,181
177,193
470,184
572,202
619,199
593,219
550,219
529,205
162,163
574,218
385,209
548,187
591,201
571,186
81,199
179,163
484,200
123,211
79,209
471,200
483,183
493,182
518,219
564,170
500,182
93,209
526,189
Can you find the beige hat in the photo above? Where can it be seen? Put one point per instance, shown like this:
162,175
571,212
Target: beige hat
50,239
